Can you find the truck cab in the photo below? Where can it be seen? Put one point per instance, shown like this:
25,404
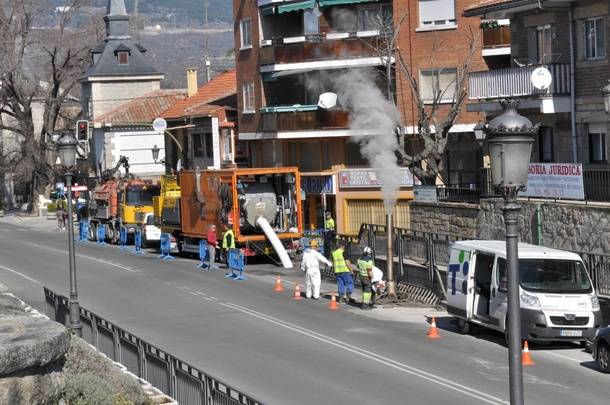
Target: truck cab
558,301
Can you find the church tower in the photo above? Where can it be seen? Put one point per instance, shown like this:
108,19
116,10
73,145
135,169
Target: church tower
119,69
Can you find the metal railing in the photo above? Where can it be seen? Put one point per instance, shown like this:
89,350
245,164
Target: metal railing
516,82
597,184
304,120
496,37
177,378
422,257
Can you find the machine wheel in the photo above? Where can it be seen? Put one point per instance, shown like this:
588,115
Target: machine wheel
114,239
93,232
463,326
603,357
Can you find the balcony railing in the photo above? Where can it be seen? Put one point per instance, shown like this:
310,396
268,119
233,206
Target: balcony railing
497,37
516,82
597,184
303,120
319,48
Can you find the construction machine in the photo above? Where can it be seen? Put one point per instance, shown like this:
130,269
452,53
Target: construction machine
120,202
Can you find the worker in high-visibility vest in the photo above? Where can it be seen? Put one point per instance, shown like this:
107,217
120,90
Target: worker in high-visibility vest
228,242
343,273
365,270
330,231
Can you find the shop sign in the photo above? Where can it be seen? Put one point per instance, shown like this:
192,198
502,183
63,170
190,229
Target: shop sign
317,184
369,178
555,180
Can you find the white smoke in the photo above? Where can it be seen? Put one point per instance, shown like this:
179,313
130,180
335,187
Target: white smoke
378,117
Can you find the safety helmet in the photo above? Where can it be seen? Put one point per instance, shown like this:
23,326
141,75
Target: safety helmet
313,243
367,250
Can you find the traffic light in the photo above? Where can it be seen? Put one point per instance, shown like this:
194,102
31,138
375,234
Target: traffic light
82,130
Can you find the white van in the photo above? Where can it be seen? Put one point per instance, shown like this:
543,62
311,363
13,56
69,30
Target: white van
558,301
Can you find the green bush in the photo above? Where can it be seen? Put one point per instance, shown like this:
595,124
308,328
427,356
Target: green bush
88,389
82,360
51,207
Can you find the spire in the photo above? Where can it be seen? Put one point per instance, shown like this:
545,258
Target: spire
116,7
117,20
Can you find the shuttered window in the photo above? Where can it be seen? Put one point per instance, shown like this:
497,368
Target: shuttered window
436,13
373,212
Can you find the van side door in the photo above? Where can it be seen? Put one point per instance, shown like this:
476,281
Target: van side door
498,304
460,283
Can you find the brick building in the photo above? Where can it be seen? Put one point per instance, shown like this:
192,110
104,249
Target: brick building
288,53
434,40
563,37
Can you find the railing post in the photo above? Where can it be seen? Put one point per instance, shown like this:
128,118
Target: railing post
171,374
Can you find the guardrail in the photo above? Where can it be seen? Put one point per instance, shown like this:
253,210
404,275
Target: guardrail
177,378
430,250
597,184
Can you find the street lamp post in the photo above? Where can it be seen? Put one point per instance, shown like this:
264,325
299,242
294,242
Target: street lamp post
66,149
510,139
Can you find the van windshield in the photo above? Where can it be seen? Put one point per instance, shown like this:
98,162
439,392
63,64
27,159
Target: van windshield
554,276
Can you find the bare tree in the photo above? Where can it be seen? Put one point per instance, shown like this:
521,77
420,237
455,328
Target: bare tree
39,67
425,152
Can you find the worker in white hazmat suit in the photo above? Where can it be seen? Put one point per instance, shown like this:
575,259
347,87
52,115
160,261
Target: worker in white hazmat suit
310,264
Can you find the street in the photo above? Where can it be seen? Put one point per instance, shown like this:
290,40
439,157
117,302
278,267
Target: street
283,351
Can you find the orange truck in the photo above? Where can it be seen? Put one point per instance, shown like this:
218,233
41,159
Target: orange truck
262,205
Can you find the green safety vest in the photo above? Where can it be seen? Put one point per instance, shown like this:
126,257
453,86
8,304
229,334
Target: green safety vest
330,224
363,266
225,242
339,262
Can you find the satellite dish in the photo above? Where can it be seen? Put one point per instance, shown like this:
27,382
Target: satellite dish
327,100
541,78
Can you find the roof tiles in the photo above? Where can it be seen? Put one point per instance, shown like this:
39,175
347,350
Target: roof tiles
142,109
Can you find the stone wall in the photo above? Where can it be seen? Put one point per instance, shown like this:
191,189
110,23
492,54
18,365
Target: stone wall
570,226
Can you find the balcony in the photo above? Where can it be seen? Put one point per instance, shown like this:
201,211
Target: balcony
302,118
516,82
496,41
329,48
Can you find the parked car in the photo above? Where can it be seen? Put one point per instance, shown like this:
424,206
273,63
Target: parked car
151,235
601,349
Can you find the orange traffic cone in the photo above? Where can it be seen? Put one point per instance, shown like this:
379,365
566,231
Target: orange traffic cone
433,332
333,303
278,285
297,293
526,358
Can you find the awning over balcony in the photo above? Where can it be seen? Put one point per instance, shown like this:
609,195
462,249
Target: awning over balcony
289,108
301,5
324,3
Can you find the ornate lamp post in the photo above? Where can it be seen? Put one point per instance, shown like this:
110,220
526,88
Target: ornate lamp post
510,139
66,150
155,153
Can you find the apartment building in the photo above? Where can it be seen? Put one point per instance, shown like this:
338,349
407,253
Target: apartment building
288,53
434,38
569,39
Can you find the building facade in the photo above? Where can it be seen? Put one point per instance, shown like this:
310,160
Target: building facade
288,55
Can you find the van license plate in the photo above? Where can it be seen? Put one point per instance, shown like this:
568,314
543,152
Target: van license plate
570,333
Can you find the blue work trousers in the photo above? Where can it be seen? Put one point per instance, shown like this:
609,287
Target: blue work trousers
345,282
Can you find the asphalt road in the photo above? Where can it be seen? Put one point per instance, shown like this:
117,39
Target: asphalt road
283,351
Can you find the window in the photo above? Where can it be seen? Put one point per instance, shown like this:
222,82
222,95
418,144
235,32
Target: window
433,13
544,40
597,143
123,58
545,144
202,146
311,20
248,97
595,43
245,31
371,18
438,85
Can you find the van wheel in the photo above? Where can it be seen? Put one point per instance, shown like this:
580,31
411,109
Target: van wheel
463,326
603,357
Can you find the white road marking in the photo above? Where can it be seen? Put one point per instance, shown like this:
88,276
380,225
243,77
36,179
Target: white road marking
20,274
3,287
563,357
436,379
82,256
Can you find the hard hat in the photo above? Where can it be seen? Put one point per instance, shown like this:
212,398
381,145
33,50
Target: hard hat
367,250
313,243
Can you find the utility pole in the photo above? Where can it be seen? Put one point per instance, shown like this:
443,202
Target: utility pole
206,4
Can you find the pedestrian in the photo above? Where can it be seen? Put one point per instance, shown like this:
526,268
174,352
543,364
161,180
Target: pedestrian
212,242
343,274
228,242
61,214
365,270
329,234
310,264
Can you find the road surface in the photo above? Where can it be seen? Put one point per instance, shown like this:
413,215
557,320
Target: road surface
283,351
